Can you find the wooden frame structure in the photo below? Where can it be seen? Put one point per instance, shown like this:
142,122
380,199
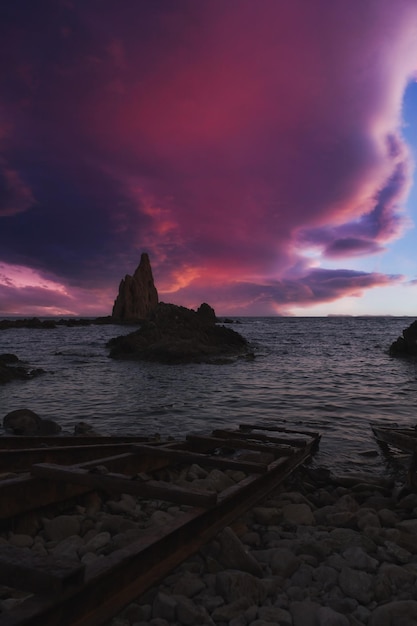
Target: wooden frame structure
89,596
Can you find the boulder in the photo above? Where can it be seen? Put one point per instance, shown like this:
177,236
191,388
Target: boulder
137,296
22,422
175,334
406,345
28,423
85,429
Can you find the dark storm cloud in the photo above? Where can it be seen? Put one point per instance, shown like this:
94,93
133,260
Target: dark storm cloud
226,139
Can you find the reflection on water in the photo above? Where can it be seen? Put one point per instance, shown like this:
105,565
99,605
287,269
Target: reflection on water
329,374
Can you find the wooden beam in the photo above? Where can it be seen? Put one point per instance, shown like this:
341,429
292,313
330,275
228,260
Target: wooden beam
28,571
206,443
27,493
299,443
119,483
21,459
119,578
277,428
184,456
20,441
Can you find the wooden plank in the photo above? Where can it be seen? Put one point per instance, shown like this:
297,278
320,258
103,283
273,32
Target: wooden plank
116,580
207,443
23,494
399,438
184,456
32,572
299,443
119,483
28,493
22,459
20,441
277,428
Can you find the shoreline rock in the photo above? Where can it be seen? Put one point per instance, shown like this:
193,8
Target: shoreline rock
406,345
26,422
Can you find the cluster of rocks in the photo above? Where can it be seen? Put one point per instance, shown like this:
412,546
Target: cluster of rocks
36,323
168,333
336,553
11,368
175,334
307,556
406,345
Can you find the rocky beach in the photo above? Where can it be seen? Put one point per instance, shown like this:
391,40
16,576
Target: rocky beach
320,550
311,554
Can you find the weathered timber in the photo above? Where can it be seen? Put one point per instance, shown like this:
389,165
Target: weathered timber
26,493
29,571
203,442
17,460
297,442
184,456
23,494
114,581
18,442
404,439
277,428
119,483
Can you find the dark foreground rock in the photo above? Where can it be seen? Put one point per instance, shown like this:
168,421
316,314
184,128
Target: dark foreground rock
175,334
406,345
13,369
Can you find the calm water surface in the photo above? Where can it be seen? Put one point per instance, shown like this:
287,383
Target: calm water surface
330,374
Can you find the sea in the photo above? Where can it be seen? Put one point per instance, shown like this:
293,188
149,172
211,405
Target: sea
331,375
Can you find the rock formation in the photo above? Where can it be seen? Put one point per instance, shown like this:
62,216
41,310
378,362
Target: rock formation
175,334
13,369
138,296
407,344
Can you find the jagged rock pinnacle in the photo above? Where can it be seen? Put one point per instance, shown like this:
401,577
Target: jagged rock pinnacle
137,296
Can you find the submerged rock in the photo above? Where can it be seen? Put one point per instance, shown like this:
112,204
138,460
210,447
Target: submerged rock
175,334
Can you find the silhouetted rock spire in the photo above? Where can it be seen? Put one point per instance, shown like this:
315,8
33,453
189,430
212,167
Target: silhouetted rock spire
138,296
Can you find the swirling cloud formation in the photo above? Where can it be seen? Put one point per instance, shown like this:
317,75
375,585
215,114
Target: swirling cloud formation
251,148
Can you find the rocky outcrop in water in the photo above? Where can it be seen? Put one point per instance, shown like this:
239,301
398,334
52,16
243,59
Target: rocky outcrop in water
175,334
138,296
406,345
12,369
36,323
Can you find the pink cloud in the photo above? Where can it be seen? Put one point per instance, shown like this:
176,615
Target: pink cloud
227,140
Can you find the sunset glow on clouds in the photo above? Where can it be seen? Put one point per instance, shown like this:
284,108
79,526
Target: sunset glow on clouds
256,149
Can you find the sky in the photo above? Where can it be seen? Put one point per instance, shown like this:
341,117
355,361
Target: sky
260,151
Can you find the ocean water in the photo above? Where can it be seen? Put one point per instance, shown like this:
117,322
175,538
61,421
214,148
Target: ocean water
331,375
